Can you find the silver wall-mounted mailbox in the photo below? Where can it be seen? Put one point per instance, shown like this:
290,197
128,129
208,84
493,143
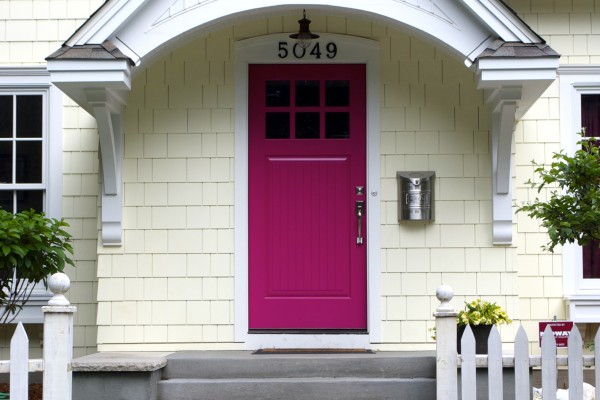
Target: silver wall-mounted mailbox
416,195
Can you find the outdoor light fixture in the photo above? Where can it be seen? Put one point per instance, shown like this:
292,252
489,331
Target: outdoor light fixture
304,36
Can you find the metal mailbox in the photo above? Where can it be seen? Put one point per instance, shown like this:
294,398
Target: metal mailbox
415,195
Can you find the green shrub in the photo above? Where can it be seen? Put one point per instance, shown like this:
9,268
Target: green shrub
572,212
32,248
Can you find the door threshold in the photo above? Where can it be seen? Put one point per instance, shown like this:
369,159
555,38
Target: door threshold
308,332
301,339
312,351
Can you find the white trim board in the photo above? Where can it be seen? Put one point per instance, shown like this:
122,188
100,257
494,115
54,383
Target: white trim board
583,295
264,50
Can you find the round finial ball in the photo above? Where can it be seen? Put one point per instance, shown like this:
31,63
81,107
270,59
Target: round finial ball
444,293
59,283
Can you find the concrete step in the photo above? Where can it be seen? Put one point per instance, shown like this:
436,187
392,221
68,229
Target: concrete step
298,389
234,375
246,365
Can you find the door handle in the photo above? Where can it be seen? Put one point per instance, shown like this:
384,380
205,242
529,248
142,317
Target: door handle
359,210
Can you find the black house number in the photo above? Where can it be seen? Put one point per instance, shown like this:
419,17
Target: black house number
315,51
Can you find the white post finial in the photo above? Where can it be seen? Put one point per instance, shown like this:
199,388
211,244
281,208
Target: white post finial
444,294
59,284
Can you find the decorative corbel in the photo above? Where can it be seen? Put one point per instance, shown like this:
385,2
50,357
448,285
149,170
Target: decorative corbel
107,109
504,107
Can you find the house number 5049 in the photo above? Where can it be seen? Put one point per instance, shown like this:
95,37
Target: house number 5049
315,51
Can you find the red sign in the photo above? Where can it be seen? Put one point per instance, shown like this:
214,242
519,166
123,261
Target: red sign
560,329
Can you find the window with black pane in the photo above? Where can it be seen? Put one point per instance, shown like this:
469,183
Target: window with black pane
590,123
22,151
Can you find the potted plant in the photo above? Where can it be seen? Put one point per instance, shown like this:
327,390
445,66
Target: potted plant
481,315
32,248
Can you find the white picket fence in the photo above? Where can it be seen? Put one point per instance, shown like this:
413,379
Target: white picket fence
448,360
57,351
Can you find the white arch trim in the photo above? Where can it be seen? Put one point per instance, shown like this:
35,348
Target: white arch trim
138,27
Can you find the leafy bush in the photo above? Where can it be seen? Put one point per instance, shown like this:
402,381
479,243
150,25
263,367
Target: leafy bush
32,247
572,212
480,312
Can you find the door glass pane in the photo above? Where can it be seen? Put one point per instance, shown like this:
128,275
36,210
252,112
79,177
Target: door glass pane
29,116
278,93
337,125
29,162
6,200
277,125
6,156
307,125
28,199
337,93
6,116
307,93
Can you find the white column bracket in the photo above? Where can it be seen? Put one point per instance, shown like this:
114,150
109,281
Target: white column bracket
107,107
504,102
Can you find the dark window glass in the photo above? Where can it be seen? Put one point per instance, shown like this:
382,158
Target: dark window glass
29,116
591,260
307,93
590,120
6,116
590,114
307,125
337,93
28,199
6,157
277,125
29,162
6,200
278,94
337,125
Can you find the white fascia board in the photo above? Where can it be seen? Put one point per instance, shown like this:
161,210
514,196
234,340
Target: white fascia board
105,21
76,66
491,79
503,71
502,21
89,73
36,76
566,70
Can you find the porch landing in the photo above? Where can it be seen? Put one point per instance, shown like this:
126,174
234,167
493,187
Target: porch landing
188,375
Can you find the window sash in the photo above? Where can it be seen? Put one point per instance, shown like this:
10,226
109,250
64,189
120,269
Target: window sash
15,139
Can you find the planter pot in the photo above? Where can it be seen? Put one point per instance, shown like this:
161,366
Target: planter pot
481,333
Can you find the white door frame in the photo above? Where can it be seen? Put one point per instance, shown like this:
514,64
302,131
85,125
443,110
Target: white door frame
266,49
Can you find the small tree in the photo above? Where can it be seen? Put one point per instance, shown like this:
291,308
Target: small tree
571,214
32,248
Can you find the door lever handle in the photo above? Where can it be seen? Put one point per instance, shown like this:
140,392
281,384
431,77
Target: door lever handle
359,210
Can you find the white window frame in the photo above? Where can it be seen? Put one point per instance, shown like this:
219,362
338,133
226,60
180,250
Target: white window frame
36,80
583,295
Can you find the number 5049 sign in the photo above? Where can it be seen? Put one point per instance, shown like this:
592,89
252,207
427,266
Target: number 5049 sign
316,50
560,329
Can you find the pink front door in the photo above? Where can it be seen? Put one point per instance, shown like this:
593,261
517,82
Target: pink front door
307,176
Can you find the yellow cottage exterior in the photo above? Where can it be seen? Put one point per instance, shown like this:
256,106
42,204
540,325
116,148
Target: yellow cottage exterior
149,112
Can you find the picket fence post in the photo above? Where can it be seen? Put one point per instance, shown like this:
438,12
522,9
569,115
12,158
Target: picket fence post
446,357
19,364
58,340
522,382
